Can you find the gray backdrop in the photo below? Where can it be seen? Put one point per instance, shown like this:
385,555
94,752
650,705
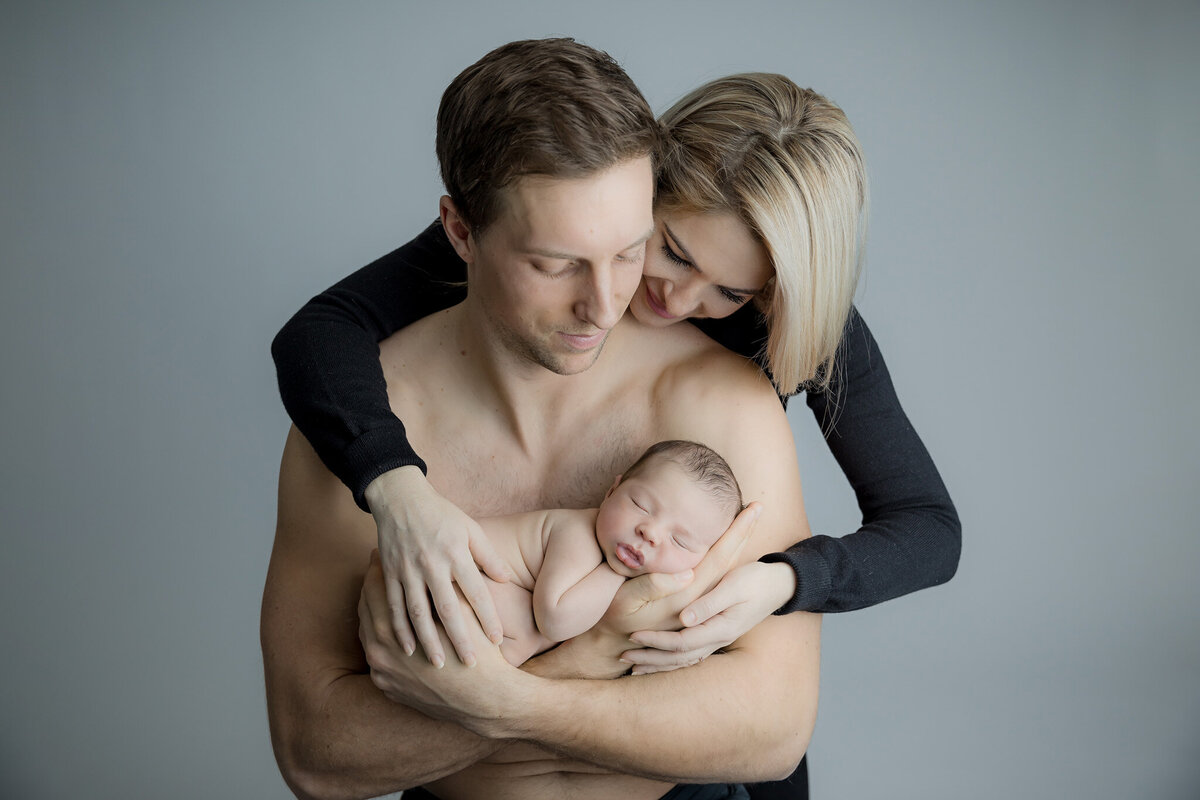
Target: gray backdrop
178,178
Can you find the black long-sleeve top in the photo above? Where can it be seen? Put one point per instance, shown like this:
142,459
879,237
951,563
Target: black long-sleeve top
327,360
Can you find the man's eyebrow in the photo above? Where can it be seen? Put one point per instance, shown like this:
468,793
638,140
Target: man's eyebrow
565,256
688,257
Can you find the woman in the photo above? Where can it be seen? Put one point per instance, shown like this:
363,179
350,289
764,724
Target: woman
760,208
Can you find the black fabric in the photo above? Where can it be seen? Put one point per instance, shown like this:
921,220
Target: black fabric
689,791
793,788
327,362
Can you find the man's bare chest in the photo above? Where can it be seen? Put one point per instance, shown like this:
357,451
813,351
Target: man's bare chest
487,472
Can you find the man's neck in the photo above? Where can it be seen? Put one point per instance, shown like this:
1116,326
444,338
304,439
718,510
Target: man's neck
535,403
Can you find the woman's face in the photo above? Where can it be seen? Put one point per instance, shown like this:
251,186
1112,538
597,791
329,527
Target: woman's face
699,265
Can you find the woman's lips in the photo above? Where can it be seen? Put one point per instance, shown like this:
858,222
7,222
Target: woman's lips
656,305
629,556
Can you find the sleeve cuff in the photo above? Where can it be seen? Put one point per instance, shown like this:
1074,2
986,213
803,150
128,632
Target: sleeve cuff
375,452
813,582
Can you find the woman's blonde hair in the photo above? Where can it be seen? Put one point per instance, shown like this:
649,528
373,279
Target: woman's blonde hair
786,161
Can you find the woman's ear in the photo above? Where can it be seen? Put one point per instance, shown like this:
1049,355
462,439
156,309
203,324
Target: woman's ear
457,229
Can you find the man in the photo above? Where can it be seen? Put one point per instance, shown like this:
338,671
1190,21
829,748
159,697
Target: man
534,393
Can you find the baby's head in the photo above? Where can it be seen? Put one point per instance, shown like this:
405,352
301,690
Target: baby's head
667,510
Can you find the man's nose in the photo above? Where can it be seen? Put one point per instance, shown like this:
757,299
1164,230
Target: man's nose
600,306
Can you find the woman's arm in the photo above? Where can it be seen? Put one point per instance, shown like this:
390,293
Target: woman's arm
911,536
327,357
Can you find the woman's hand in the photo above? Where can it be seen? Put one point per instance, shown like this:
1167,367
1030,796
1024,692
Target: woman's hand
744,597
426,545
469,696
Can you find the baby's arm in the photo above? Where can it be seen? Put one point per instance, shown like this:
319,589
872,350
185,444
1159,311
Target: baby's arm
574,586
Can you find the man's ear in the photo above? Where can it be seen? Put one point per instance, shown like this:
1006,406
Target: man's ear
457,229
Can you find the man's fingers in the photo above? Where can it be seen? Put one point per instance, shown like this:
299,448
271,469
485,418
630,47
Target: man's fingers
663,658
657,585
666,641
485,555
475,589
374,625
648,670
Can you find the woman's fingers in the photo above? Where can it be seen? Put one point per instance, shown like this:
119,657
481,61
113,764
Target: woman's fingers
724,553
399,616
471,581
420,614
727,594
486,557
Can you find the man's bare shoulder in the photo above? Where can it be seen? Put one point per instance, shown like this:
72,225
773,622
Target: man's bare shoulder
699,372
419,348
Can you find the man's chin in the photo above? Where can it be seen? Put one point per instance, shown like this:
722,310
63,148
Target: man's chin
574,362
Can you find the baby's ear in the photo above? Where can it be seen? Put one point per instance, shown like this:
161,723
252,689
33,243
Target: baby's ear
613,488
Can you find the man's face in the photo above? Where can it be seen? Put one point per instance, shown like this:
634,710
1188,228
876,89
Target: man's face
556,270
659,520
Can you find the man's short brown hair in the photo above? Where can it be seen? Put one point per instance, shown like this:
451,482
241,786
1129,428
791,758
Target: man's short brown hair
550,107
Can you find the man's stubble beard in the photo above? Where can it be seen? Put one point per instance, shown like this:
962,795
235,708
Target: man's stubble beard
541,355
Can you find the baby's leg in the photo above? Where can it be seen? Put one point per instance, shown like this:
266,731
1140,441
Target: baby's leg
522,639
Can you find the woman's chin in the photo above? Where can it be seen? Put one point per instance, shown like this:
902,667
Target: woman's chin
644,314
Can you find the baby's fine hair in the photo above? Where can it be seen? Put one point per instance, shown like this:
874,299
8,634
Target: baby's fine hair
701,462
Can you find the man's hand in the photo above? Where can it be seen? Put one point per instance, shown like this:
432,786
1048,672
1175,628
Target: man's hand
427,545
743,598
469,696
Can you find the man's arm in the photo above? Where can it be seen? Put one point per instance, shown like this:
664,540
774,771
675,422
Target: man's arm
335,735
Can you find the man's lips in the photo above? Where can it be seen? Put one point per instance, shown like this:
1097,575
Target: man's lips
579,341
656,305
629,556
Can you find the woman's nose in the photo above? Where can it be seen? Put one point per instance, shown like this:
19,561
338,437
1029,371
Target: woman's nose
679,297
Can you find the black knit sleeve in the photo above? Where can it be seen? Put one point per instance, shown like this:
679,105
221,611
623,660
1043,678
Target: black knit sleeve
327,357
910,537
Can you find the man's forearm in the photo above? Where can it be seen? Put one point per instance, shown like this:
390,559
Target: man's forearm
357,743
743,715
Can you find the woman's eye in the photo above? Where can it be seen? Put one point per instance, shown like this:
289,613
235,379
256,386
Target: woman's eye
732,297
675,257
